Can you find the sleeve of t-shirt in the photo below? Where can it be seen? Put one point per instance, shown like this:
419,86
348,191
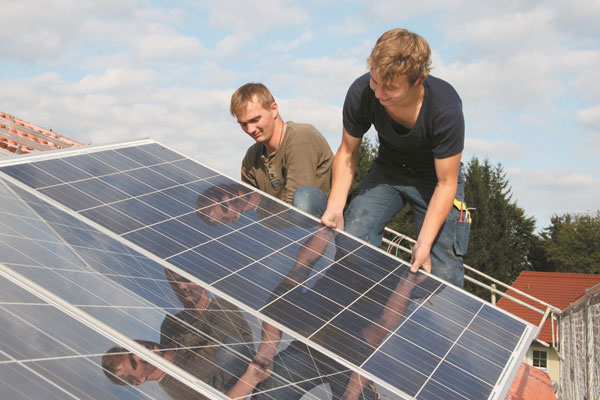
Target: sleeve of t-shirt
247,174
355,112
448,132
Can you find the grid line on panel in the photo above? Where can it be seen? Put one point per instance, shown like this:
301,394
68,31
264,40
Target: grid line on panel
40,376
108,332
119,307
229,243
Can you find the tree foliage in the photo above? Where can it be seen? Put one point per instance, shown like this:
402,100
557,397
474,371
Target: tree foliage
501,234
570,244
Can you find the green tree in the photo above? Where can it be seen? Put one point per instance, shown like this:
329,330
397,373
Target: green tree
366,154
501,235
570,244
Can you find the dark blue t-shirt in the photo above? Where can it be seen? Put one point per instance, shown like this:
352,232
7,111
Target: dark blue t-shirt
439,131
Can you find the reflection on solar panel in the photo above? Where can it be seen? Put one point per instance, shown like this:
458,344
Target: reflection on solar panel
108,245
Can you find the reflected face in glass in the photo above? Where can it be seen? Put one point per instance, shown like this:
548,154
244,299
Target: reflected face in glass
134,370
188,291
226,212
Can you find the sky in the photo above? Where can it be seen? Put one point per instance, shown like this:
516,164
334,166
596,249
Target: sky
106,71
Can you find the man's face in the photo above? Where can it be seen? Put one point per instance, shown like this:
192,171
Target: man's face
257,121
190,291
134,370
391,93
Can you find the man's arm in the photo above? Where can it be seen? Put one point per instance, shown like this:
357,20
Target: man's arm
245,385
344,167
440,204
247,174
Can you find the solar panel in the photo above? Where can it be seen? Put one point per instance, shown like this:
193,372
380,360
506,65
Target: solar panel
115,230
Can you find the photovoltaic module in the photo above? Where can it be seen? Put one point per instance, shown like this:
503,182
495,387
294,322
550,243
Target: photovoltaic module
114,247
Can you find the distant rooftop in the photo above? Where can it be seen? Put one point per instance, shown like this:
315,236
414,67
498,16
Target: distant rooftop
21,137
531,384
556,288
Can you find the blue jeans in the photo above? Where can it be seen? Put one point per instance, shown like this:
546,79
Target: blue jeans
297,363
311,200
380,196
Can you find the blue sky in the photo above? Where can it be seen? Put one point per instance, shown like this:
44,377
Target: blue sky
107,71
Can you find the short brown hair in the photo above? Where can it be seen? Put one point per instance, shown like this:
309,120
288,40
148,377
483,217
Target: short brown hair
111,361
245,94
400,52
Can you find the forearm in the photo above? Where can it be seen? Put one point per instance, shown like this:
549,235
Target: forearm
344,167
437,211
271,336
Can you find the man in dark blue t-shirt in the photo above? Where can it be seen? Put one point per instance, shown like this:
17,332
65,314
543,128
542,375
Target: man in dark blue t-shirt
420,125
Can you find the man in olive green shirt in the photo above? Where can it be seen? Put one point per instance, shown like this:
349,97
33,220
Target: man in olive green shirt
290,161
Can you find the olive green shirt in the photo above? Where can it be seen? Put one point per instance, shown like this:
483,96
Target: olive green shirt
303,158
197,340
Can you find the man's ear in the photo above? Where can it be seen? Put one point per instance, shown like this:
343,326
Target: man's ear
274,110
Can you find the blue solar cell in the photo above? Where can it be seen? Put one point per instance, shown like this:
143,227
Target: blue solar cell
485,347
161,152
139,155
91,165
100,190
223,255
127,184
479,366
71,197
199,266
181,233
112,219
195,169
414,332
244,291
461,381
31,175
118,161
62,170
139,211
157,243
245,245
177,174
165,204
402,375
151,178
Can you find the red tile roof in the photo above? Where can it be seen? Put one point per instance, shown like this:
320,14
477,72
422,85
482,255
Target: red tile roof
555,288
531,384
21,137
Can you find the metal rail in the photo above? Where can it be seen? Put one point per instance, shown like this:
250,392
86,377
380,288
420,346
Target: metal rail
546,310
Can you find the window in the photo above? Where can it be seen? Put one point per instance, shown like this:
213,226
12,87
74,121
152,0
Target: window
540,359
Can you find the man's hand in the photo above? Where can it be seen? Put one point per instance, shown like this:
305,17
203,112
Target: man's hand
421,258
256,374
333,219
264,360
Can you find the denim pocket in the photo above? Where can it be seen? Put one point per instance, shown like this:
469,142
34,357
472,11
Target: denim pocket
461,237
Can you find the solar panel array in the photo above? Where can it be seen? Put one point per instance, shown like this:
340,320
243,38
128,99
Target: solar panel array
107,245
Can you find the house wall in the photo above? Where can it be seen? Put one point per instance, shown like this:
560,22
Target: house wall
580,347
553,367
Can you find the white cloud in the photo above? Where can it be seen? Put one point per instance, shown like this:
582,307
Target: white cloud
544,193
256,16
116,80
324,116
350,26
502,149
589,116
168,46
281,46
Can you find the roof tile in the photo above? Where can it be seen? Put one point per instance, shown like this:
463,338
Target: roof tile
556,288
